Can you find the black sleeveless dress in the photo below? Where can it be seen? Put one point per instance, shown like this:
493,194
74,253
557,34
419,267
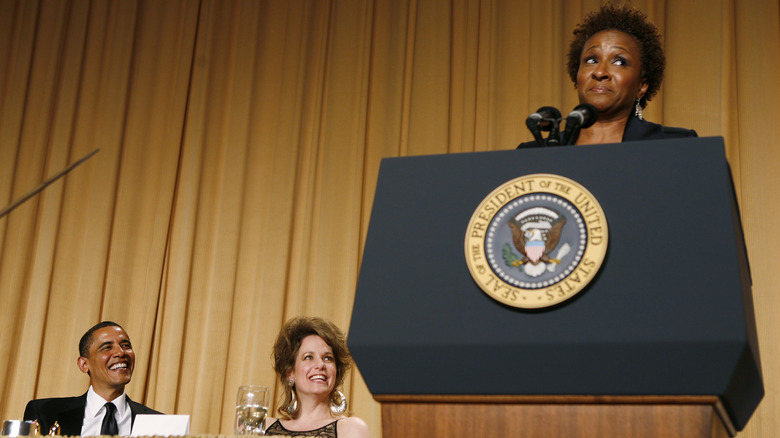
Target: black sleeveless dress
326,431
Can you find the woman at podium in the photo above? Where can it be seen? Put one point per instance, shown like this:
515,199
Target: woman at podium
616,62
311,359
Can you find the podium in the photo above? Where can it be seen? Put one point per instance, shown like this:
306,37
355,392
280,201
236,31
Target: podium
661,342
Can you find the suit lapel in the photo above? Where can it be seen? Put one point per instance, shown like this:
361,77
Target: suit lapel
135,409
641,130
72,417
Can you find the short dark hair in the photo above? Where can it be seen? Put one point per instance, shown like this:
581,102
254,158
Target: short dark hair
86,339
633,22
289,342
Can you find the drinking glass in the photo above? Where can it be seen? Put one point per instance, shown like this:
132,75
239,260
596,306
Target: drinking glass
251,408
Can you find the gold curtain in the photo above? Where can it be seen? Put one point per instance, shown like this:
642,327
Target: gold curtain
239,148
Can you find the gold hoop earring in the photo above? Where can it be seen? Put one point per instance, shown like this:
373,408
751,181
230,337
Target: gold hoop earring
338,406
292,407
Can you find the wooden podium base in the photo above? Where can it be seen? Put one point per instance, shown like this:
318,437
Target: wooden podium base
405,416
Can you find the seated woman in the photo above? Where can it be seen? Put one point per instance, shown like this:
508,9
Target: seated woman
617,62
310,359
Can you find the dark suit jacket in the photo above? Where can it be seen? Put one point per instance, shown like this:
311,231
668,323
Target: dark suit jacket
69,412
640,130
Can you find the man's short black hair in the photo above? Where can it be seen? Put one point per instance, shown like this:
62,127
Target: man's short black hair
86,340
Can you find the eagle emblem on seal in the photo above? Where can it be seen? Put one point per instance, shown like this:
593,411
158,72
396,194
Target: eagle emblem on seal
536,233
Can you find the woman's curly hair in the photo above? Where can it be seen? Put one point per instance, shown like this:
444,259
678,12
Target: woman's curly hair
633,22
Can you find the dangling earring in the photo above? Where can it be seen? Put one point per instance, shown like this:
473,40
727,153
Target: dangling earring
638,110
341,407
292,407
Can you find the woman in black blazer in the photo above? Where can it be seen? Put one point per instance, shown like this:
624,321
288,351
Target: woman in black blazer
616,62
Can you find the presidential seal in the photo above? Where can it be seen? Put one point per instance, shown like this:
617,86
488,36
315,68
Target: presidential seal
536,241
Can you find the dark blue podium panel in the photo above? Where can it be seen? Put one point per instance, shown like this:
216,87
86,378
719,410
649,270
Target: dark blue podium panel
669,313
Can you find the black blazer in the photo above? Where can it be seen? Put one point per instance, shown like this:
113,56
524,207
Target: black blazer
640,130
69,412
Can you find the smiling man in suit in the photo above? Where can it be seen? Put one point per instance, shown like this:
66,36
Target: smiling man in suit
106,355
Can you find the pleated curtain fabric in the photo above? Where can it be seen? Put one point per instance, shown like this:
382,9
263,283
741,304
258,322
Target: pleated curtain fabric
240,145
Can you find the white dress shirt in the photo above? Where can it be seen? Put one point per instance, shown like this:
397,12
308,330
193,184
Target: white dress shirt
96,410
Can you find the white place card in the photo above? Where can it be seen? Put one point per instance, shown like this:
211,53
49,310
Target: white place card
160,425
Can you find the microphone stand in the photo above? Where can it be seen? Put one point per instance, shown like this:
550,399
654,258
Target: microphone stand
572,130
45,184
533,123
554,139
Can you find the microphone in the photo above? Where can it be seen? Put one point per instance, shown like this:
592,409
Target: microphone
582,116
545,118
